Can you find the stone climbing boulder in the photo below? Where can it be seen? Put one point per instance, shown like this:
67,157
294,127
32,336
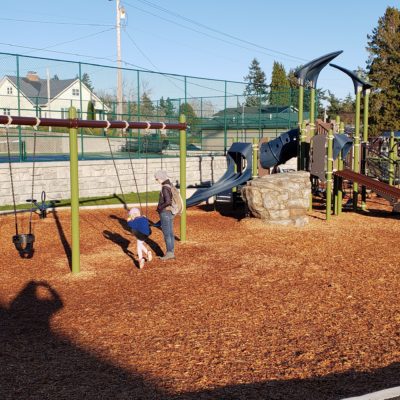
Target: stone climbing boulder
281,199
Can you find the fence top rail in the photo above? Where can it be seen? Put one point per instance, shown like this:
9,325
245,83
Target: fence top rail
84,123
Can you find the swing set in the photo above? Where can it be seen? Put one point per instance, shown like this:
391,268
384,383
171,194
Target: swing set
24,242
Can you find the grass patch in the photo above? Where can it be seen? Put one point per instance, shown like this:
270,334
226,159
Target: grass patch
150,197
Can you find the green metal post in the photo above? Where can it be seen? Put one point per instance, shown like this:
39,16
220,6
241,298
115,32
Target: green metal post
138,110
365,142
356,165
81,112
312,112
391,158
19,111
336,179
300,124
340,180
312,132
255,160
329,176
182,172
302,143
73,165
225,130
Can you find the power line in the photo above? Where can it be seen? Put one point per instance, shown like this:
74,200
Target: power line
53,22
34,49
56,52
196,30
210,29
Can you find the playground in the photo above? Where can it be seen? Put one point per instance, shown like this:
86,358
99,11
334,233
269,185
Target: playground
302,305
247,310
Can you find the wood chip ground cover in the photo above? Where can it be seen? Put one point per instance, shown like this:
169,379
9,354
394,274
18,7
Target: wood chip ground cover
246,311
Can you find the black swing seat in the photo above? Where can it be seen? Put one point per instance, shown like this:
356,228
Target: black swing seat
24,242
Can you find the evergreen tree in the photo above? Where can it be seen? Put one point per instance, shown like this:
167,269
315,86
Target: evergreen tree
91,112
294,86
348,104
256,88
190,114
335,105
166,107
383,69
280,87
146,105
169,108
86,80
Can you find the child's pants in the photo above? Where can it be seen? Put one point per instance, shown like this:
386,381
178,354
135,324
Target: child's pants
141,248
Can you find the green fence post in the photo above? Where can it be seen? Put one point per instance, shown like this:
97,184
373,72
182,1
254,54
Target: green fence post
182,175
391,158
74,179
329,176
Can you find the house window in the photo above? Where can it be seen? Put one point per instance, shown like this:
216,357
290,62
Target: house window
6,111
75,92
9,90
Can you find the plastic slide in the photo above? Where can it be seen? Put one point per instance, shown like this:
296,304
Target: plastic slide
239,155
279,150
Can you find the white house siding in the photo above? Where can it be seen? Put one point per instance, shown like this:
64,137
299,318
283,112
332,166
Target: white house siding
67,99
60,103
10,101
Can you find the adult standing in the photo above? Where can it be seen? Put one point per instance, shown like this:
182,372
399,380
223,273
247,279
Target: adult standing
166,216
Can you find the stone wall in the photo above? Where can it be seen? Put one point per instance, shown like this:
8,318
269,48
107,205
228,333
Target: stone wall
280,198
99,178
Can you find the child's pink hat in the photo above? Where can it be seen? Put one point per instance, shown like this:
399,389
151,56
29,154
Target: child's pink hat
134,212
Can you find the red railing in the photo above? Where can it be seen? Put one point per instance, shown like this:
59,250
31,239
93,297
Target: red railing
82,123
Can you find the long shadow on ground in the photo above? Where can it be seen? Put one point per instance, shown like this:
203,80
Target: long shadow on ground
38,364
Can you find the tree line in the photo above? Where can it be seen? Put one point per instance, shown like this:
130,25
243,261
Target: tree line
382,71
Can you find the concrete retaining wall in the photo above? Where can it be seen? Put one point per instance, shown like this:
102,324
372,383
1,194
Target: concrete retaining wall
98,178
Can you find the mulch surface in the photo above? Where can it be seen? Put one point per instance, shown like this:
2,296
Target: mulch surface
246,311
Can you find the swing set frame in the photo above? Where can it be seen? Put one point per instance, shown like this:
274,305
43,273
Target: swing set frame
73,123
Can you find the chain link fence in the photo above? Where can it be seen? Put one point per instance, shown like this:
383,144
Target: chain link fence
217,111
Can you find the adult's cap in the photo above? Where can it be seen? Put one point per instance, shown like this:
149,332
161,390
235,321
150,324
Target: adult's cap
161,175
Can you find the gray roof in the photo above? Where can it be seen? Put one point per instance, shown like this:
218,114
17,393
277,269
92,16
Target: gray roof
36,91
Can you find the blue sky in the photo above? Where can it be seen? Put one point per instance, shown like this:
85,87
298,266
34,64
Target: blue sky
213,39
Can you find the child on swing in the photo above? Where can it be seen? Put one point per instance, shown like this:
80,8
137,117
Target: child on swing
140,228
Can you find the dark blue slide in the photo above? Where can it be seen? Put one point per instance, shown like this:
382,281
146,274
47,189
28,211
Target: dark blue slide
239,155
279,150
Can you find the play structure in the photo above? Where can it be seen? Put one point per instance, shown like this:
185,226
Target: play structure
323,149
239,171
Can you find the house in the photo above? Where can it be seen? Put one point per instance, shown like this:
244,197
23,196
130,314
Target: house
47,98
245,124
